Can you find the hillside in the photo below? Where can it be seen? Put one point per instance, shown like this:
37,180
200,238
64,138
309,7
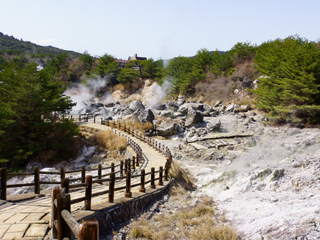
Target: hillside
11,47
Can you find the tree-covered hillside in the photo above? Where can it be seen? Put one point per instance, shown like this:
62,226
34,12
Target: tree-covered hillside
15,49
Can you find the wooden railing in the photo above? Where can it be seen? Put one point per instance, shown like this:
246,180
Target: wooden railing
62,221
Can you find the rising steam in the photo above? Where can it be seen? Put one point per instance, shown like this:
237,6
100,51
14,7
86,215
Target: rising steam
157,93
84,92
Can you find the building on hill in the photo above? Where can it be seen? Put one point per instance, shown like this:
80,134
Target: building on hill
123,63
135,57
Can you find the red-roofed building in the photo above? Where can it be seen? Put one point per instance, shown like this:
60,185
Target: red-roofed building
122,63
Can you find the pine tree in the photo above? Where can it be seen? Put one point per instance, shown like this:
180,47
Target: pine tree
291,83
27,97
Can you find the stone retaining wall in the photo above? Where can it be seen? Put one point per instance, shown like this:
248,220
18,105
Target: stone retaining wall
112,215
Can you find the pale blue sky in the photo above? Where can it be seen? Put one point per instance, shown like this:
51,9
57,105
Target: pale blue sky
157,29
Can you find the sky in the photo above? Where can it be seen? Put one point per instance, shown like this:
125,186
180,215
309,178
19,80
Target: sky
158,29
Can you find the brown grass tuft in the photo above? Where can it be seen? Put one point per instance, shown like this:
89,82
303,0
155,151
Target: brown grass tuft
181,177
141,127
108,140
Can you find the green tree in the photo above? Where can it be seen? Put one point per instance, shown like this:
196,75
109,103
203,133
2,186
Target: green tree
107,65
203,60
127,75
221,63
87,60
243,51
27,97
292,82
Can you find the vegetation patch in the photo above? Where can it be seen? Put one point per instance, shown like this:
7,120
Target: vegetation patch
264,173
279,173
108,140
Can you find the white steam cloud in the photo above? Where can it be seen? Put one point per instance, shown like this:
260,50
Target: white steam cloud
157,93
82,93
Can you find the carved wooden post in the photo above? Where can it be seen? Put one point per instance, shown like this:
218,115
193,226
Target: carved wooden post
152,178
111,187
128,184
99,172
54,211
89,229
87,202
36,180
83,174
63,202
121,168
62,174
3,184
160,183
142,188
65,184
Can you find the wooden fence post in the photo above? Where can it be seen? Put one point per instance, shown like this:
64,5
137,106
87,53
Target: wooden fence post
89,229
36,180
166,172
112,167
79,117
63,202
142,188
152,179
111,187
54,211
137,160
65,184
129,164
121,168
83,174
62,174
3,184
99,172
128,184
88,193
160,183
134,163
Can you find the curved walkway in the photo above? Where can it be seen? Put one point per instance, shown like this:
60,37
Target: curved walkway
30,219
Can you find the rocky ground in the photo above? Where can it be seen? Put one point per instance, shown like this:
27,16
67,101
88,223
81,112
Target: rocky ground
265,181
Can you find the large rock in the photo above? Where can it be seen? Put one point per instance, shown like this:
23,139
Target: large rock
171,106
213,127
247,82
217,104
110,104
167,128
146,116
135,105
193,117
160,106
181,100
230,107
184,107
244,108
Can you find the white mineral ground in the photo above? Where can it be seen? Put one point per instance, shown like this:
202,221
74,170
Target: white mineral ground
259,207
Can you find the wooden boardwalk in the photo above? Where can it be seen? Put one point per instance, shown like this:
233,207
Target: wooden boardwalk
30,218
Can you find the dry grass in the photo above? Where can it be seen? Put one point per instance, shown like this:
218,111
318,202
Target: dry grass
181,177
108,140
141,230
141,127
191,222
